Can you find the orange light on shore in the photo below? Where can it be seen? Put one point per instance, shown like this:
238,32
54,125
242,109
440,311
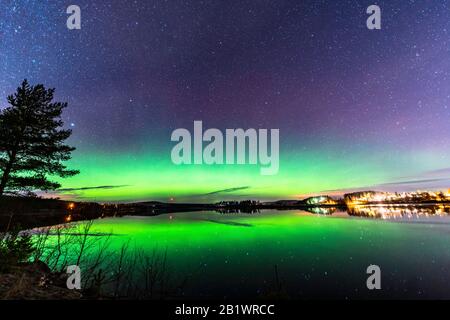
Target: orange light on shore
71,206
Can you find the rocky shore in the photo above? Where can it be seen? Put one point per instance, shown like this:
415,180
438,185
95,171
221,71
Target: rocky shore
35,281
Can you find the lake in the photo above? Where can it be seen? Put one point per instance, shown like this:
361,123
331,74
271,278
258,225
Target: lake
294,254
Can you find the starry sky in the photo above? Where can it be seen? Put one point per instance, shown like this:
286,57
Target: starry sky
356,108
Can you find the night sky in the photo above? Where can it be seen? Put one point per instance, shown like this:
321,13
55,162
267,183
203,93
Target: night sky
356,108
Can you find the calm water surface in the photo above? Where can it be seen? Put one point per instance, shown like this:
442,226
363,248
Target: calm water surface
298,253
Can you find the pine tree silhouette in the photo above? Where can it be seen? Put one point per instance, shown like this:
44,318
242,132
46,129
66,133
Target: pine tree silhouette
32,141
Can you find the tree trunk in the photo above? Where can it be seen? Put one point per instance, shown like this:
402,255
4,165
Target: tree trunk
3,181
6,173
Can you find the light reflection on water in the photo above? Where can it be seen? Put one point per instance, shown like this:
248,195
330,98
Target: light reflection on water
323,252
387,211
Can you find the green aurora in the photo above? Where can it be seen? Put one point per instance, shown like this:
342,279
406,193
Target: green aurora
139,177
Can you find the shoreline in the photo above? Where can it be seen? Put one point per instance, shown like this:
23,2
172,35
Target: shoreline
26,213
